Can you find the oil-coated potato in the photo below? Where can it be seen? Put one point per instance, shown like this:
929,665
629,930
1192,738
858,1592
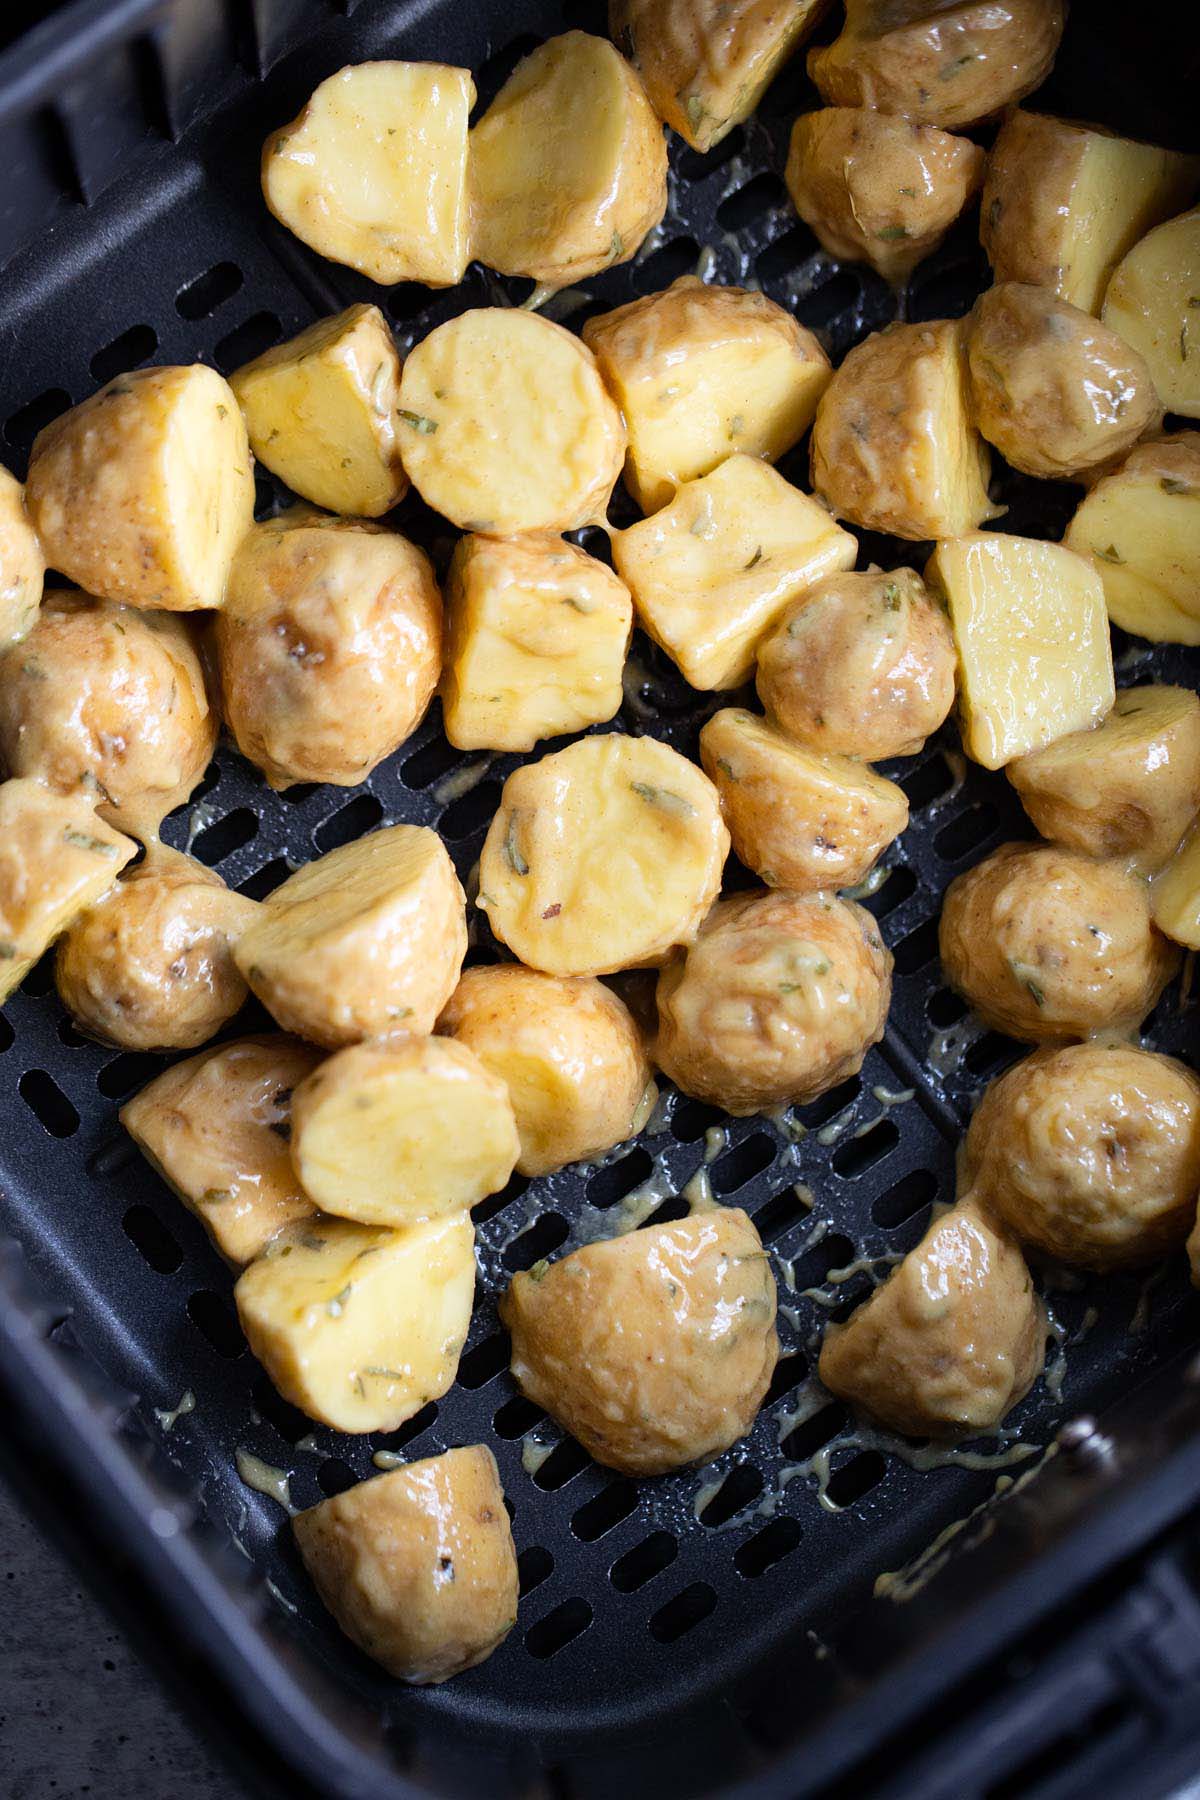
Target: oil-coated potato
951,1341
1129,788
1175,900
568,165
1048,945
566,1049
216,1129
329,647
1090,1153
505,424
701,372
367,939
373,171
109,702
321,412
357,1325
894,446
418,1566
879,189
536,636
779,999
401,1130
1141,525
1057,392
56,858
862,666
800,819
1062,203
653,1349
1153,302
150,966
1034,652
142,493
713,570
22,564
602,856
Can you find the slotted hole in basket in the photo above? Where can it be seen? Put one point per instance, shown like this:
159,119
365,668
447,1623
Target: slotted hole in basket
991,1053
407,300
152,1240
785,256
485,1361
246,341
917,949
740,1488
858,1154
815,1433
945,1007
133,347
646,1560
694,165
219,840
967,832
812,1266
855,1479
937,289
40,980
429,763
470,811
6,1035
533,1566
767,1547
666,265
22,427
692,1118
819,1112
264,881
567,1460
761,194
361,814
516,1417
288,1420
743,1163
607,1186
334,1476
541,1240
928,783
781,1212
900,886
216,1321
558,1629
904,1198
683,1613
47,1102
789,1373
298,795
604,1511
495,1203
70,1035
201,296
413,1428
132,1069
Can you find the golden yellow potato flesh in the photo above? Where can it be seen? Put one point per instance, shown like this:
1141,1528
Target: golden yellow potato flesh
22,564
1175,899
1153,303
1141,527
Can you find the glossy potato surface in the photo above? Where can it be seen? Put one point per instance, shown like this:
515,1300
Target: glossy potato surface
1151,302
1141,528
22,564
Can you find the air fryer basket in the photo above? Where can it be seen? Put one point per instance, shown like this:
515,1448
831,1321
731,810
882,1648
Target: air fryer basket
672,1633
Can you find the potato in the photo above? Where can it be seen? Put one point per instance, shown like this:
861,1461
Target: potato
937,62
711,573
357,1325
602,856
1153,303
879,189
863,665
367,939
1034,653
567,167
566,1049
216,1129
142,493
321,412
779,999
537,633
1058,393
1048,945
801,820
1175,902
418,1566
1129,788
707,63
700,373
329,647
1090,1153
654,1349
109,702
56,858
1141,525
952,1340
894,446
505,424
150,965
1062,203
22,564
373,171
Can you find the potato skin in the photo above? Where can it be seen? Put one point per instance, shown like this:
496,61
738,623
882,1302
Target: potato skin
653,1349
1048,945
779,999
22,564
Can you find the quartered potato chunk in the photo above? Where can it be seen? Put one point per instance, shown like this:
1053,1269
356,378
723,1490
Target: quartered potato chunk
142,493
401,1130
22,564
357,1325
800,819
418,1566
780,998
1129,788
712,571
373,171
567,167
367,939
1062,203
505,424
1141,525
1153,302
951,1341
56,858
602,856
537,632
1034,654
1048,945
701,373
894,446
654,1349
1090,1153
321,412
567,1050
1175,900
879,189
329,646
216,1129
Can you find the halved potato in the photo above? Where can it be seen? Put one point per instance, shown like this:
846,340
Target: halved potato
1141,525
373,171
1153,302
142,493
1175,900
22,564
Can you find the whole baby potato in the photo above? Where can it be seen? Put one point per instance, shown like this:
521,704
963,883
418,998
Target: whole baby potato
22,564
653,1349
